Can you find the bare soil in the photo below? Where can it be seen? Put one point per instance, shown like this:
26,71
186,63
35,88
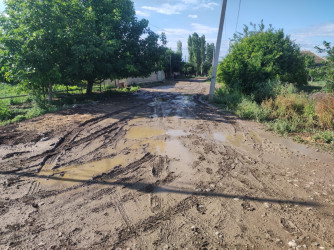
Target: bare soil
160,169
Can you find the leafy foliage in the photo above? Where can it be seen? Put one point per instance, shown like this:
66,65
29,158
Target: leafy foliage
52,42
329,68
260,55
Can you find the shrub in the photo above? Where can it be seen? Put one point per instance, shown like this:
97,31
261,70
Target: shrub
5,113
227,98
282,126
260,55
19,118
325,136
251,110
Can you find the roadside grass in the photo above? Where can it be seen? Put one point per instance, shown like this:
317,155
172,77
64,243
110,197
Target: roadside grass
289,112
23,108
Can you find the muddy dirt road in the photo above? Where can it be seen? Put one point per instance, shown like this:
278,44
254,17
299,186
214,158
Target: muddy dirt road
160,169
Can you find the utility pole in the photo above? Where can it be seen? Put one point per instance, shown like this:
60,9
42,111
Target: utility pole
216,56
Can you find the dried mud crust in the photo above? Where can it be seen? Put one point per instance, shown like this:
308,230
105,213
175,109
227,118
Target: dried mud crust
160,170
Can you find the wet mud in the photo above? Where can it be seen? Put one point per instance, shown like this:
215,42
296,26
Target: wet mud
161,169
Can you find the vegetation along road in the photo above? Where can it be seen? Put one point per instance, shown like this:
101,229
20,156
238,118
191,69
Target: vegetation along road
160,169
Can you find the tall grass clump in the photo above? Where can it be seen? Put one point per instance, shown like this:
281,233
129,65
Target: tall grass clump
325,111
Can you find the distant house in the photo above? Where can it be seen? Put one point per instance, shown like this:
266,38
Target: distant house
154,77
319,61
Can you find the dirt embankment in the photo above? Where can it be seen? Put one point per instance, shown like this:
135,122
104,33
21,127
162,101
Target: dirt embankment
160,170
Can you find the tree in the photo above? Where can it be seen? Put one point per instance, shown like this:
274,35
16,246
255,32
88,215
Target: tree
196,52
190,49
202,50
329,67
188,69
179,48
210,51
47,42
310,66
173,61
119,49
260,55
33,39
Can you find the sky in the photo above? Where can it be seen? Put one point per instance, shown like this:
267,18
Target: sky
308,22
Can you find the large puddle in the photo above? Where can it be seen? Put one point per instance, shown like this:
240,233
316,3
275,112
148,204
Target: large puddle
143,132
81,173
140,139
235,140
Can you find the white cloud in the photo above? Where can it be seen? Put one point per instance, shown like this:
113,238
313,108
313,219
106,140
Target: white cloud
167,9
193,16
203,29
313,36
323,30
174,7
207,5
142,13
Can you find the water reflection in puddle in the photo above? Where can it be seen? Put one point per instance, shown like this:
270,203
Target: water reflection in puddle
219,137
176,133
76,174
143,132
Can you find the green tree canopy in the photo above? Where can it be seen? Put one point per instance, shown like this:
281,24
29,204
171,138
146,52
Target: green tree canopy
329,67
179,48
260,55
46,42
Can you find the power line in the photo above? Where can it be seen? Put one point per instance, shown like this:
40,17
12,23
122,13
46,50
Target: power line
236,26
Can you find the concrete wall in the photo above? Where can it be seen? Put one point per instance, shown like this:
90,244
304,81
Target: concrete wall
154,77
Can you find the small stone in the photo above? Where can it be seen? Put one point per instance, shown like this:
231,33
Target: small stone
292,244
75,105
304,246
236,199
45,139
321,247
208,190
41,203
60,234
193,228
316,244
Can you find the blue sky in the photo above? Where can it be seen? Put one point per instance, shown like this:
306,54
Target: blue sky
308,22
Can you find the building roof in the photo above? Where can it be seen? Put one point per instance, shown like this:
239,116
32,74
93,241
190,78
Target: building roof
317,59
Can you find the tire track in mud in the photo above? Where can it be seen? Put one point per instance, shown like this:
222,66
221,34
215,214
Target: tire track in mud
67,141
267,188
153,222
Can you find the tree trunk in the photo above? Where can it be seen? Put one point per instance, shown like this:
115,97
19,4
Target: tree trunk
50,92
90,83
